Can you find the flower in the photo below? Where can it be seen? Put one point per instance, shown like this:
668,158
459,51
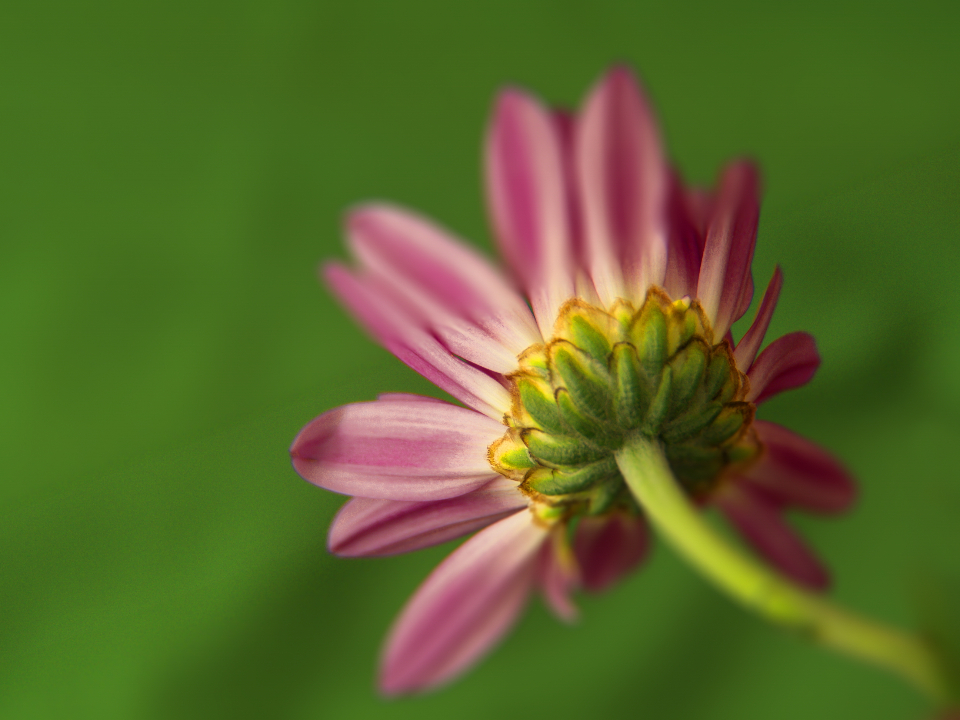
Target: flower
633,283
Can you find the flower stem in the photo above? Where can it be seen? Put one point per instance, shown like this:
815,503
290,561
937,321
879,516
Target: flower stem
760,589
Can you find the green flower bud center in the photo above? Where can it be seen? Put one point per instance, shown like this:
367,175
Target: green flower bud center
609,374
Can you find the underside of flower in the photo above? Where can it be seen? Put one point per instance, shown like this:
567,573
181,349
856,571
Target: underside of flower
607,375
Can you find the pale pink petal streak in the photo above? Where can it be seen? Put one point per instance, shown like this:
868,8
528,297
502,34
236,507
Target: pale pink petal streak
448,287
397,450
622,183
731,237
370,527
761,522
387,321
786,363
749,344
797,471
526,187
466,605
607,548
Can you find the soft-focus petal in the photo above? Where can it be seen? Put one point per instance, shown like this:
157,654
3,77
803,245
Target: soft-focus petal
750,343
445,285
408,397
685,245
466,605
607,548
728,251
401,335
397,450
622,183
796,471
761,522
786,363
559,575
526,187
370,527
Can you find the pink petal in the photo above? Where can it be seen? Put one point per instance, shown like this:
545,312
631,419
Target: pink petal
796,471
750,343
701,204
786,363
526,187
401,335
760,522
622,187
685,246
608,548
397,450
466,605
408,397
558,575
368,527
728,251
447,287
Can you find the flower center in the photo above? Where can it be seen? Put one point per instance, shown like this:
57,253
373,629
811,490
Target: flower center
607,375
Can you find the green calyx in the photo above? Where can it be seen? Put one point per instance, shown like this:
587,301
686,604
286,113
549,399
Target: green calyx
608,375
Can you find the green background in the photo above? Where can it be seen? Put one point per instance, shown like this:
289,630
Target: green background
172,173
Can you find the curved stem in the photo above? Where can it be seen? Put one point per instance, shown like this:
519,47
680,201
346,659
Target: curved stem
760,589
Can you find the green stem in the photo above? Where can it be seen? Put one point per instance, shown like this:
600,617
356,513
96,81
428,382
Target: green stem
762,590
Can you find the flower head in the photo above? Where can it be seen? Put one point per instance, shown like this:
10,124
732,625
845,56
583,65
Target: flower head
628,286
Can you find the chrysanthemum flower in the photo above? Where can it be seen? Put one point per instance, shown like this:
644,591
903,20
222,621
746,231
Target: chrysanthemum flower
629,284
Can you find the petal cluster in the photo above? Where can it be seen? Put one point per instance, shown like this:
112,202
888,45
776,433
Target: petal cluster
583,206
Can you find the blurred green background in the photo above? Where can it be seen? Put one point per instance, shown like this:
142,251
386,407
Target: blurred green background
170,176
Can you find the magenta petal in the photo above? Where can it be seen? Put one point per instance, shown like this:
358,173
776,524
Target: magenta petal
466,605
608,548
368,527
396,331
397,450
786,363
559,575
728,251
685,245
750,343
796,471
622,188
761,522
526,187
448,287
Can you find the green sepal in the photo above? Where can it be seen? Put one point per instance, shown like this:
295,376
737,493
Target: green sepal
689,424
565,482
649,335
680,328
694,463
727,424
583,424
657,412
582,333
688,367
539,404
587,380
561,450
516,458
631,394
718,372
605,494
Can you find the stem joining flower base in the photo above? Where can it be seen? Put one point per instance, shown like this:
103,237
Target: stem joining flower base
647,473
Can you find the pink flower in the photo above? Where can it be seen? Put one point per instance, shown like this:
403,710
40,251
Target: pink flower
634,282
